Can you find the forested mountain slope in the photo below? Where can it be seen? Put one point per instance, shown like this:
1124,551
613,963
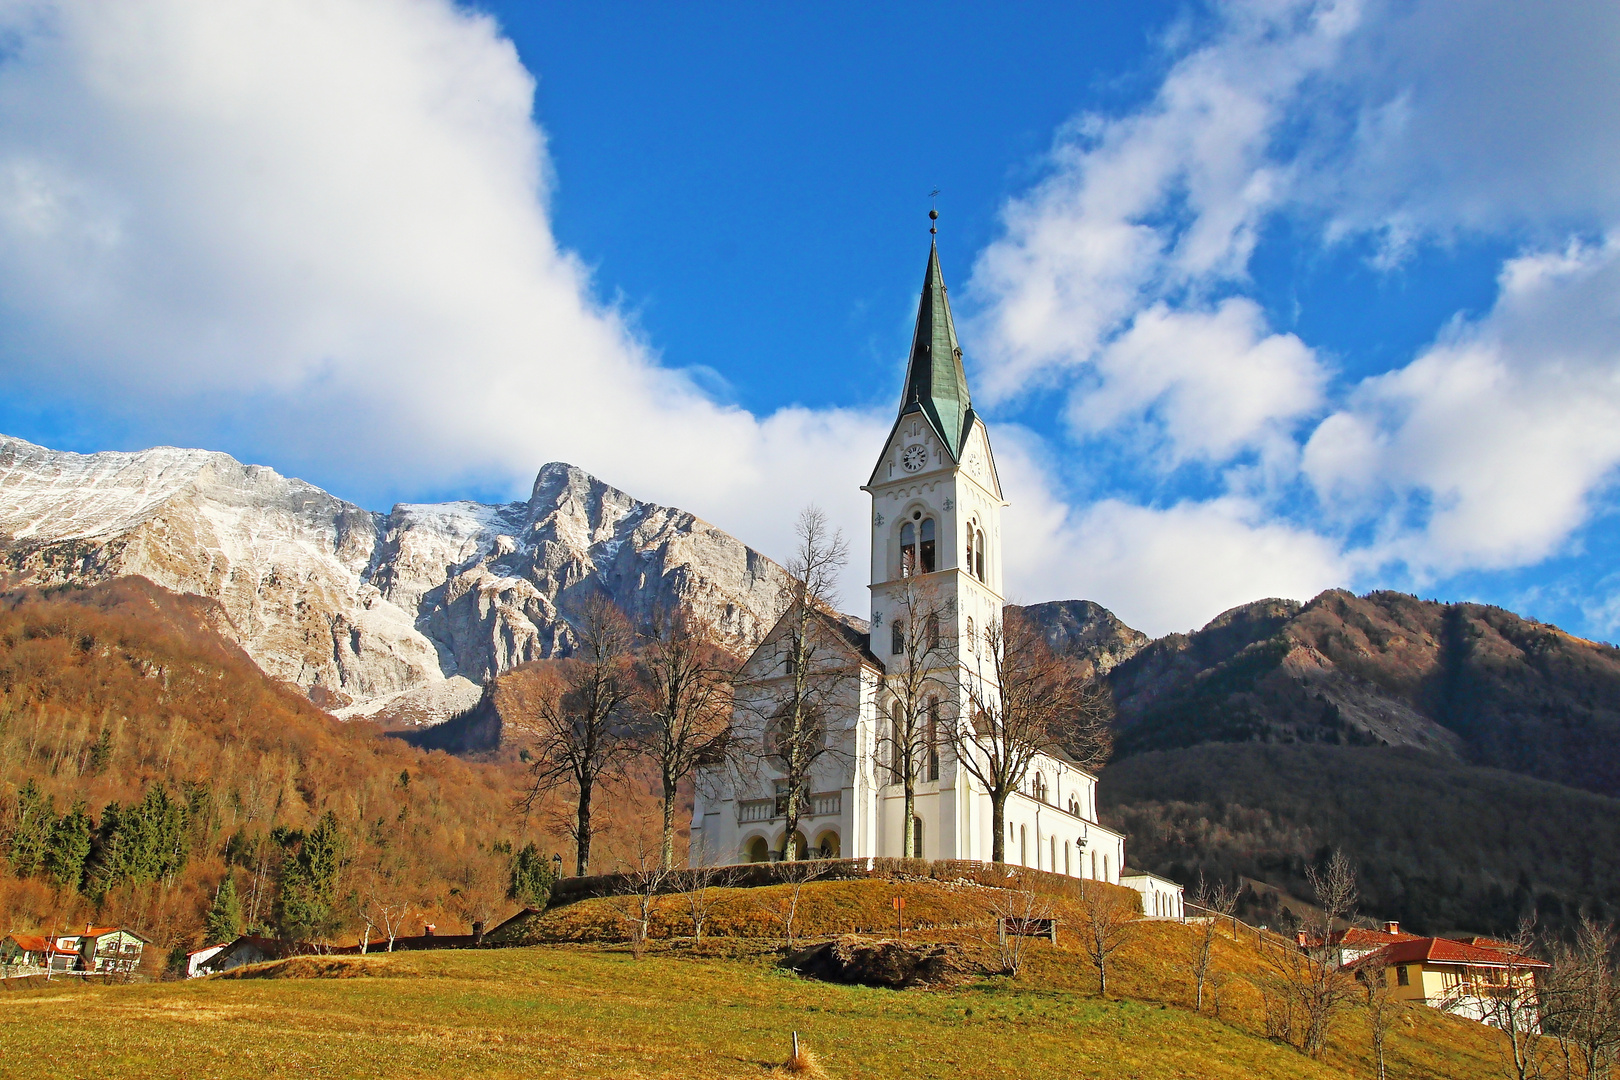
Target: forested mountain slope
1470,682
144,760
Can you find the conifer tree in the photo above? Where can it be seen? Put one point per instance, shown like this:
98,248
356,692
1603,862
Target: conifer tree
36,813
531,878
224,921
68,848
308,880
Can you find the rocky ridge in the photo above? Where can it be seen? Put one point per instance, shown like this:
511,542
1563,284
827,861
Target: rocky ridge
403,614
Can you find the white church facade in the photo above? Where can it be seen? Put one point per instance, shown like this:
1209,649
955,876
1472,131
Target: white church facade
935,526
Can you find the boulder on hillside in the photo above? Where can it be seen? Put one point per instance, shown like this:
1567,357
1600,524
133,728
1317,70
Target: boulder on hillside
863,961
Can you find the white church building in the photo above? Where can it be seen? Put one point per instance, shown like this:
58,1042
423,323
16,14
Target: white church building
936,520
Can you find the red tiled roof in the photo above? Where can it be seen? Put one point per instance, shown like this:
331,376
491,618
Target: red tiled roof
35,943
1357,935
1444,951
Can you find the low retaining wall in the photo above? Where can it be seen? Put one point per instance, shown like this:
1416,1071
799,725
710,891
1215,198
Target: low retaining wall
755,875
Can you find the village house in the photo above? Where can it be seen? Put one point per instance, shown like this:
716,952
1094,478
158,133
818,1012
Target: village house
1460,978
936,532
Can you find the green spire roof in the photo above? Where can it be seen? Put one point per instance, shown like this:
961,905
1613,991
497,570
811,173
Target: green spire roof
935,382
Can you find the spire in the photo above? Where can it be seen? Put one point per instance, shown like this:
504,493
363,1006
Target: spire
935,382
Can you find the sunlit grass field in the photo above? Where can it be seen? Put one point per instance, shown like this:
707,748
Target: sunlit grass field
723,1010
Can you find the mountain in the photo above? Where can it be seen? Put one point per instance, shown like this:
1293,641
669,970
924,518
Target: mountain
1086,630
400,615
1465,757
1467,682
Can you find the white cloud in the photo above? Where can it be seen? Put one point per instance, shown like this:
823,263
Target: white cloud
1207,384
336,212
1487,450
1152,204
1161,569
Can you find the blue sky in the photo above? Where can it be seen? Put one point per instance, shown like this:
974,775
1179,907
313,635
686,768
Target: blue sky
1260,298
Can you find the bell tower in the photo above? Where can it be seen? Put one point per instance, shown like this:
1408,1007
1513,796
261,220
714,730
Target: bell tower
936,498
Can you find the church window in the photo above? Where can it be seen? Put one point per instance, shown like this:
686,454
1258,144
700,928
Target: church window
1074,807
926,548
1038,788
967,561
1023,846
931,735
1106,876
908,550
973,642
1065,856
897,638
897,744
916,838
978,556
1094,866
931,628
1053,866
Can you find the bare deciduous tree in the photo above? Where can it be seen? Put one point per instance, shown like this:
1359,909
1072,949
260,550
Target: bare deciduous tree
1015,908
785,909
1110,919
918,678
1217,902
1380,1012
1024,700
793,701
581,734
646,880
1581,1001
1308,981
685,704
698,889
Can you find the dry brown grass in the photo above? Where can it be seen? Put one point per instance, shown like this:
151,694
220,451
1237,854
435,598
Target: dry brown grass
726,1010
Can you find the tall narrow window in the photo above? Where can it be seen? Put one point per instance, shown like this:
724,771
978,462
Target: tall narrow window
1106,876
897,638
931,629
926,553
1065,856
931,735
1093,866
908,549
967,557
978,557
1023,846
1053,865
897,745
972,642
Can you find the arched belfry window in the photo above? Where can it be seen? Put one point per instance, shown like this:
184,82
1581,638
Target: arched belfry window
918,545
973,562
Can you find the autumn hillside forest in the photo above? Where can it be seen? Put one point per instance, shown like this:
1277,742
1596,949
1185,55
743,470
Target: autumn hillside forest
155,778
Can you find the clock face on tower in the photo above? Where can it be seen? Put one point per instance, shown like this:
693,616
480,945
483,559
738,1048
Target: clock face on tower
914,457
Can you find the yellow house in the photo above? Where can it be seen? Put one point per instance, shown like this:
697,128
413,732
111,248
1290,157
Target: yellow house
1465,980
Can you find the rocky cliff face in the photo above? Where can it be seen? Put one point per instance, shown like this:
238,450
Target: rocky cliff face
1087,631
404,613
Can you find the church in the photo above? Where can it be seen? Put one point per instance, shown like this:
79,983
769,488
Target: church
935,526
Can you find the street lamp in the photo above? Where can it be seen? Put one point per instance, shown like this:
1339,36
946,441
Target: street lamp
556,865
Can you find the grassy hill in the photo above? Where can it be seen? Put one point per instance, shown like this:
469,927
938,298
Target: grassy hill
723,1009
